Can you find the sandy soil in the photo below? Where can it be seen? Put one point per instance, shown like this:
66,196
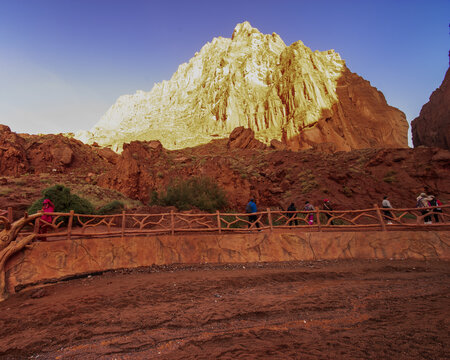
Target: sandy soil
295,310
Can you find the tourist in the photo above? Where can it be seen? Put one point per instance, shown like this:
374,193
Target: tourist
326,205
386,204
292,214
309,216
437,210
47,207
423,201
251,209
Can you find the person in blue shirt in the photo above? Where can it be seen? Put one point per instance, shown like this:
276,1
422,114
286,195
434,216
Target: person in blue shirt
250,209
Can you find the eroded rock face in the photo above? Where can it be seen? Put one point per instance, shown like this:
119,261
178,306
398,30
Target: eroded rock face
20,154
13,158
432,126
241,138
287,93
133,174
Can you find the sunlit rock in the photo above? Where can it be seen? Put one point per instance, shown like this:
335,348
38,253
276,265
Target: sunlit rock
287,93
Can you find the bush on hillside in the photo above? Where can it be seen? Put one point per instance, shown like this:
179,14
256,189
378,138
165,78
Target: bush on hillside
200,192
63,200
113,207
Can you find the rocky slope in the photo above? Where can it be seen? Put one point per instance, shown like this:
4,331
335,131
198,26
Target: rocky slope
354,179
241,165
302,98
24,154
432,126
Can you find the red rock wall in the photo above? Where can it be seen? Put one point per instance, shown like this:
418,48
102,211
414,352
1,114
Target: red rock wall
432,126
58,259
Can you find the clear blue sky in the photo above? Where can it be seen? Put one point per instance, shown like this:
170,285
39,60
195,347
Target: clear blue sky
63,63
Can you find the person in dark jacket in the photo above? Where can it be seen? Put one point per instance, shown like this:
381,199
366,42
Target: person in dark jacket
326,205
437,210
292,215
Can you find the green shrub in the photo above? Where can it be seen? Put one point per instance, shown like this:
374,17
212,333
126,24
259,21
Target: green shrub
63,200
111,208
154,198
200,192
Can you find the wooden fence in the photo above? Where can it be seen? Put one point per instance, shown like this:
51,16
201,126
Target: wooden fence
71,225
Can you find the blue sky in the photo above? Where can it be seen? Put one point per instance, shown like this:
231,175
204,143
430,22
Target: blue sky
63,63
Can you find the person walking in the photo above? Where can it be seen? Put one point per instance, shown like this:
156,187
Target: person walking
251,209
386,204
423,201
292,215
326,205
47,207
436,210
309,216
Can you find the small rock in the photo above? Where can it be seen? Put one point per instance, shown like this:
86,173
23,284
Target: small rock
38,293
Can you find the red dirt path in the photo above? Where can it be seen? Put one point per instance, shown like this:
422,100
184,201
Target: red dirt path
296,310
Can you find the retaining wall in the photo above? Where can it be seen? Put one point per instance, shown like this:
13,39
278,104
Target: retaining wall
46,261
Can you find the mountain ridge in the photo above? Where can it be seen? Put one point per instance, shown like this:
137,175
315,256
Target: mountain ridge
288,93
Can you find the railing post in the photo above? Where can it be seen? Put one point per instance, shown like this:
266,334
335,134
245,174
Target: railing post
380,217
172,222
123,224
69,225
218,221
10,214
318,219
269,216
36,225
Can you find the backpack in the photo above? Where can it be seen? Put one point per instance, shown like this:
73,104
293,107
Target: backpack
433,202
419,203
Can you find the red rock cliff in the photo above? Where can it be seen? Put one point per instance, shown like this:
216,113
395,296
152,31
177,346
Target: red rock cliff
432,126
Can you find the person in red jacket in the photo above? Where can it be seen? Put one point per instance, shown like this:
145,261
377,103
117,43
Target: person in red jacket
47,207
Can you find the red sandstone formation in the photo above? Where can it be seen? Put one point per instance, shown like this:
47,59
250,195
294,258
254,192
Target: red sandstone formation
22,153
135,171
360,118
275,177
355,179
241,138
432,126
13,158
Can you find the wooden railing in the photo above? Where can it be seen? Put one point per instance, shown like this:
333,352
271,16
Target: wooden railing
7,214
71,225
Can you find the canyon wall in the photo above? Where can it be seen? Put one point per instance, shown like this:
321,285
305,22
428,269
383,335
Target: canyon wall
432,126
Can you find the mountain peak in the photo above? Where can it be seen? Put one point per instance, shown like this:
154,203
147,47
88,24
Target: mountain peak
244,29
287,93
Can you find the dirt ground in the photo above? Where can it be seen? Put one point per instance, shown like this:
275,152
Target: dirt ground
295,310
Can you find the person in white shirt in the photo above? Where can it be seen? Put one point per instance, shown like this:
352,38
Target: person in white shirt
386,204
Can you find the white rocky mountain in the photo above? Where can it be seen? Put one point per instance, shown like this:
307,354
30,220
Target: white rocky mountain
288,93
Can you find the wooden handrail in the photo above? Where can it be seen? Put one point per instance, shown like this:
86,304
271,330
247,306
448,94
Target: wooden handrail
95,226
